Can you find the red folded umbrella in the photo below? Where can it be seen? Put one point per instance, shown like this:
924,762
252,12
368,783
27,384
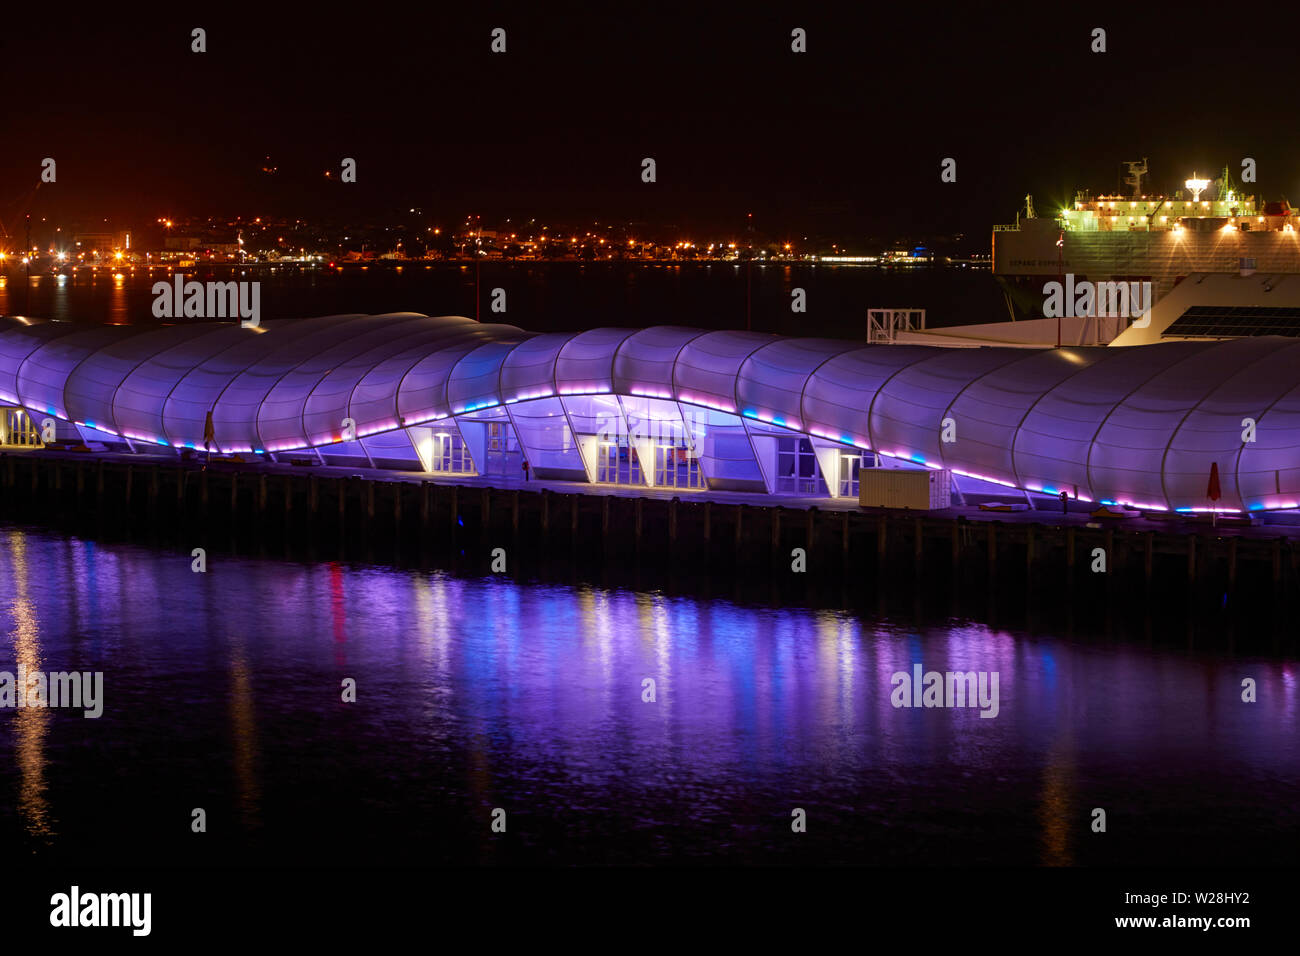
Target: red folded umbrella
1213,491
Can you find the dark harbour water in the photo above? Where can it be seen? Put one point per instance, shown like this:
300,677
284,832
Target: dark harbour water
222,691
551,297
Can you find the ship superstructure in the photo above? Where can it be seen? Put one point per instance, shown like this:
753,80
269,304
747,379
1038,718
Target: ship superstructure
1208,226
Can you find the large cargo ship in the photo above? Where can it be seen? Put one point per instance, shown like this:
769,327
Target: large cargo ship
1208,226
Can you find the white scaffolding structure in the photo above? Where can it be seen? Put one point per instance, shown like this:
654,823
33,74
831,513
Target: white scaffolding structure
883,325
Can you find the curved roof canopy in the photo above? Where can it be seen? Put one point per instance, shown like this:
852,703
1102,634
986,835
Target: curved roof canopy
1140,425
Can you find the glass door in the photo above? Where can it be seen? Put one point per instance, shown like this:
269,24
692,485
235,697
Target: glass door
617,462
851,466
676,466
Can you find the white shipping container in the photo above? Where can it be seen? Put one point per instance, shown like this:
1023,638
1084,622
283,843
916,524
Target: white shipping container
917,489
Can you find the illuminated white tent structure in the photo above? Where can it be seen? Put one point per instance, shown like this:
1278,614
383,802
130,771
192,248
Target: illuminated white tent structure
683,408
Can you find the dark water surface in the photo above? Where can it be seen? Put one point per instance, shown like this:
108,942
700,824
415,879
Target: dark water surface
222,691
549,297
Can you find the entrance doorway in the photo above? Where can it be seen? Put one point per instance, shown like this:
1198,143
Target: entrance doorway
617,462
676,466
850,464
18,428
503,454
450,456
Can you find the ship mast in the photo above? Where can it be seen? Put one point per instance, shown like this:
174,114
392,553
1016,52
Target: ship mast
1136,170
1225,186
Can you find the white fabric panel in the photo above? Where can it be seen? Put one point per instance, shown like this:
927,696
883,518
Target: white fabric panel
204,389
475,381
280,417
91,388
989,411
594,414
422,390
726,454
393,450
543,429
374,401
43,375
1214,430
1054,442
18,340
1268,469
329,403
414,383
644,362
653,419
1131,448
529,370
838,394
586,362
139,401
908,412
771,381
706,367
236,413
1128,453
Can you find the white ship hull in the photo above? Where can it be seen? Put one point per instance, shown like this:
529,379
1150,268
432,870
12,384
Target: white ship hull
1028,257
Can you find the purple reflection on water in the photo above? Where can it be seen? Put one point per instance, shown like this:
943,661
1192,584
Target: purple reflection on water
223,690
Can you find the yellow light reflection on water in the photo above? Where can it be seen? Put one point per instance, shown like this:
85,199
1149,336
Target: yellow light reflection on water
118,313
243,722
31,723
1057,812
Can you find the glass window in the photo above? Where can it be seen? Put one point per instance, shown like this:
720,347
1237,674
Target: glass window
797,472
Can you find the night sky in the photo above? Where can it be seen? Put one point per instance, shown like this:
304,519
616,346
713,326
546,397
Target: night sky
845,138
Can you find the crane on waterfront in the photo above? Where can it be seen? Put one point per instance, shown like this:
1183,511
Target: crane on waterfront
24,205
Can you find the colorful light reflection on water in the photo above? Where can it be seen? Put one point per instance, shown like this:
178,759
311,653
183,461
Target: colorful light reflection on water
223,692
